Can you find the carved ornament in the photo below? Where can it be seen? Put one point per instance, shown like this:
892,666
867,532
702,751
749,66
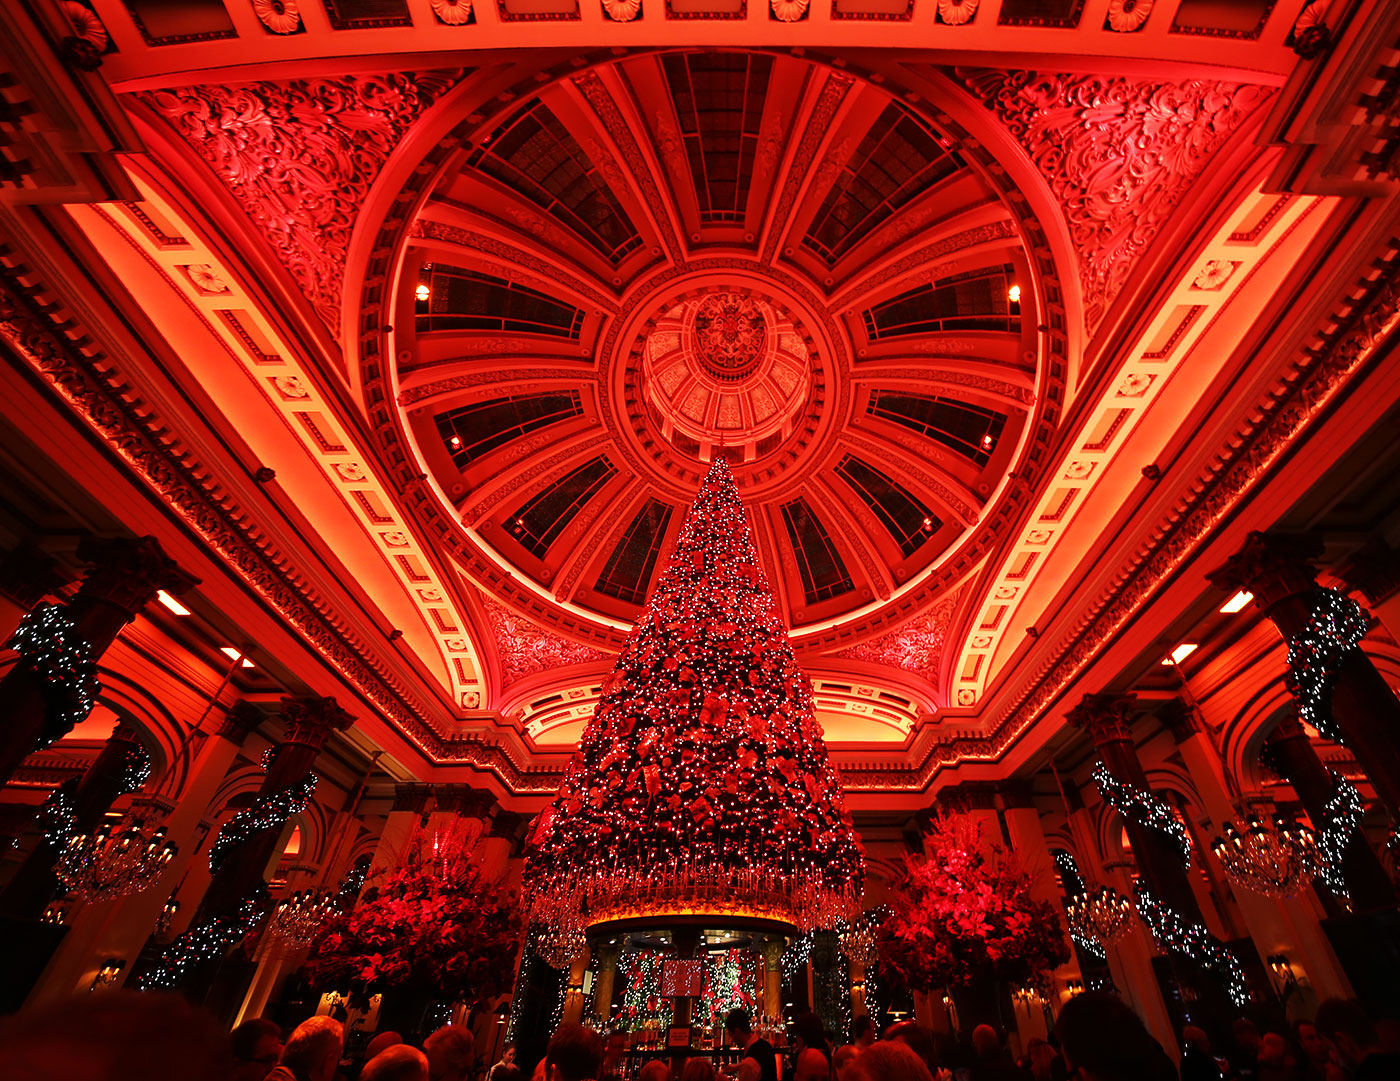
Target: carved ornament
526,648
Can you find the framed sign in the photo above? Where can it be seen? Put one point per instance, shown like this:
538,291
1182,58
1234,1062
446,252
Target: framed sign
678,1036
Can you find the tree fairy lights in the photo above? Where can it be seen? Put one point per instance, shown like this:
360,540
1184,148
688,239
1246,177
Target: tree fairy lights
1191,939
702,783
642,1003
206,942
1335,626
49,645
1145,809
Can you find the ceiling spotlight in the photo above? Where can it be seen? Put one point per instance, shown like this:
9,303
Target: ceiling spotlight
1013,294
235,655
422,292
456,440
1180,653
987,440
928,523
1237,602
171,603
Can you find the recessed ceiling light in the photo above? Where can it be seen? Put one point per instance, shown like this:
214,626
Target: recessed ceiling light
1237,602
234,654
171,603
1180,653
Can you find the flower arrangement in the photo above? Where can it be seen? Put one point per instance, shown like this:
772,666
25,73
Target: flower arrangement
965,910
434,923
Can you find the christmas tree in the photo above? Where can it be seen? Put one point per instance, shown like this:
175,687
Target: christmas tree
702,784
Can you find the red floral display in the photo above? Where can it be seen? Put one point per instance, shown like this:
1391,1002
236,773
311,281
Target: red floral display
436,922
965,910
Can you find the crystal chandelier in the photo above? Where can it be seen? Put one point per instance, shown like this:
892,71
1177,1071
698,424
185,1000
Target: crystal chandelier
559,944
1275,858
858,938
1099,917
299,915
120,857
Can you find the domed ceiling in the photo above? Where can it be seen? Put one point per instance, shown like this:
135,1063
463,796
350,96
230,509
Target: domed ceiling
681,255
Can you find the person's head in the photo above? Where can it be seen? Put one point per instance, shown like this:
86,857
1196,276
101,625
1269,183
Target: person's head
655,1070
1106,1041
1275,1050
807,1031
1315,1048
507,1071
449,1052
116,1034
1040,1059
508,1055
917,1039
841,1061
256,1046
698,1069
575,1053
1194,1038
888,1061
381,1041
1246,1035
749,1070
313,1049
863,1031
1349,1028
811,1065
985,1041
397,1062
737,1025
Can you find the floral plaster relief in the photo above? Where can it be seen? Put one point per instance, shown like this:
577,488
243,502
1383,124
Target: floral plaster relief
1119,154
916,647
526,648
301,157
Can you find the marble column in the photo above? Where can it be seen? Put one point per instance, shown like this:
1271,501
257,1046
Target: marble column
1278,570
607,979
28,574
573,992
1369,885
116,766
773,977
1374,572
120,928
310,722
1031,851
1275,926
126,575
408,812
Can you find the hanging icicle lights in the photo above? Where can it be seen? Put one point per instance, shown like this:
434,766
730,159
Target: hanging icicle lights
1335,627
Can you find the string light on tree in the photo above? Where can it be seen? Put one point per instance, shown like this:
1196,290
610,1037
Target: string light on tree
1145,809
702,781
49,645
1191,939
1334,628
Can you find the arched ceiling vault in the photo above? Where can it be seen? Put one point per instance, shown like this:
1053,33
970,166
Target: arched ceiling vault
800,258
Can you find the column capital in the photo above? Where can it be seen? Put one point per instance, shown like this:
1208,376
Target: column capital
773,953
28,574
310,721
969,796
1272,566
1106,718
464,800
128,572
241,720
1016,794
1179,718
411,797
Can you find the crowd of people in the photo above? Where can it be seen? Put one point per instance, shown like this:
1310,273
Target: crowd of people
133,1037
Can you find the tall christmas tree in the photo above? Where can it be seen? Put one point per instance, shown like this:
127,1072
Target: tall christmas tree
702,784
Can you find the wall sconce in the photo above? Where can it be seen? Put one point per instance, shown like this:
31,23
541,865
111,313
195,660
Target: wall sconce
1282,970
108,973
858,985
166,917
55,912
1074,987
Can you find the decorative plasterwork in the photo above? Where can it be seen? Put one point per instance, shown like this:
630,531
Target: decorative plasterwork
1119,154
524,648
1159,352
289,389
916,647
301,157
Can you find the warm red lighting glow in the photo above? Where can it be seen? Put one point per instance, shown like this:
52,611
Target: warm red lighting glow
1237,602
235,655
422,292
1013,294
1180,653
171,603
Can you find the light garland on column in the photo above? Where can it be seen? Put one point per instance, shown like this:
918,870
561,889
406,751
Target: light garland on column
49,645
1335,626
1191,939
1145,809
58,817
1341,817
207,942
267,813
